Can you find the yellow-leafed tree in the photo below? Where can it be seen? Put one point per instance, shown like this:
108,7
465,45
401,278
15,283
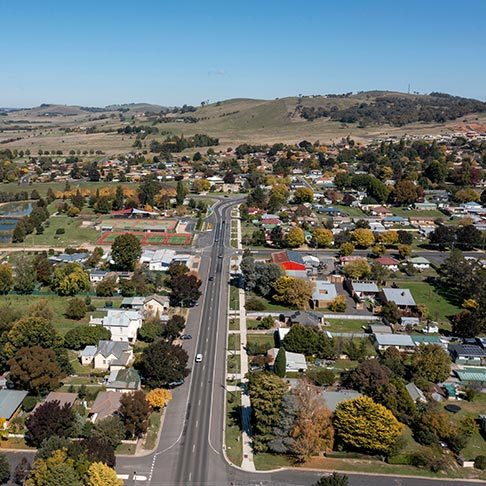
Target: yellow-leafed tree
159,397
100,474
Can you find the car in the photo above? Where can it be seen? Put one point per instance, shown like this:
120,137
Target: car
220,256
198,357
211,279
216,240
185,337
173,384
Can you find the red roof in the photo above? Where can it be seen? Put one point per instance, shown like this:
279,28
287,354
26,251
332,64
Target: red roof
386,260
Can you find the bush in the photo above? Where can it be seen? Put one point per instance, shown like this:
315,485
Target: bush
480,462
60,231
321,376
255,304
29,403
76,309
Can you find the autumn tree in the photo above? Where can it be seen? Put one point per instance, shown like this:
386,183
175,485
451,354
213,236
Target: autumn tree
41,308
200,185
70,279
59,469
368,376
100,474
292,291
346,249
405,192
49,419
76,308
295,237
388,238
362,424
303,195
431,362
125,251
159,397
35,369
322,238
6,278
134,412
357,269
363,237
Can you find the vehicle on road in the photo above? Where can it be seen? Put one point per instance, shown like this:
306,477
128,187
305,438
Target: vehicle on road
220,256
173,384
185,337
198,357
211,279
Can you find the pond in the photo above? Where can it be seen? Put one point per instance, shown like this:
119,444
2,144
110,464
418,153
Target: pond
10,213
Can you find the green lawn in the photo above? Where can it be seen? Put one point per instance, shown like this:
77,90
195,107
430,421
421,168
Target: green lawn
153,430
346,325
234,342
406,213
234,363
126,449
58,305
234,446
261,339
424,293
234,298
350,211
269,305
234,324
265,461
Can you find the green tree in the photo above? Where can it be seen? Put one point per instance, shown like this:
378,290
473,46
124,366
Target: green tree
304,195
391,312
82,336
70,279
4,469
185,289
280,366
107,287
181,193
25,276
125,251
19,232
431,362
362,424
57,470
76,308
110,430
334,479
118,201
149,188
6,278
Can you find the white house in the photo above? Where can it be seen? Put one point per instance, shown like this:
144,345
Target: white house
112,355
123,324
402,342
295,362
157,260
155,305
419,263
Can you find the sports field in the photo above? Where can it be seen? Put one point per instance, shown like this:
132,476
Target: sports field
134,224
147,238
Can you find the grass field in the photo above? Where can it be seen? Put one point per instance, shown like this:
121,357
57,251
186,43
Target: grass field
424,293
234,298
153,430
407,213
58,305
269,305
234,324
350,211
233,342
42,187
147,238
234,363
234,446
266,339
346,325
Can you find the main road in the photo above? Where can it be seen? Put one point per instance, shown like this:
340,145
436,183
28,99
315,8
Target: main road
190,451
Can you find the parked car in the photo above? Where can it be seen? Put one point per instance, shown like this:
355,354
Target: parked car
186,336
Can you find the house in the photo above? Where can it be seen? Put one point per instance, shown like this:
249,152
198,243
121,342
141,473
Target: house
389,221
421,339
69,258
419,263
402,297
324,293
416,394
474,375
363,290
125,380
334,398
305,318
425,206
388,262
123,324
96,276
380,329
289,260
406,321
134,303
157,260
402,342
154,305
112,355
10,402
281,333
294,362
377,227
63,398
467,354
106,404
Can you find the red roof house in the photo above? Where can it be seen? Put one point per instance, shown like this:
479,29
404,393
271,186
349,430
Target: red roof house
288,260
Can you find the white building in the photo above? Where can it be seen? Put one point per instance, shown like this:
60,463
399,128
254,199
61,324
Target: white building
123,324
112,355
157,260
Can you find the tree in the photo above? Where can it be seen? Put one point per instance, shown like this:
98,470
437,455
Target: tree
295,292
334,479
404,251
118,201
322,238
391,312
466,195
149,188
321,376
357,269
368,376
19,232
134,412
173,327
365,425
295,237
82,336
25,276
57,470
6,278
41,308
100,474
35,369
309,341
200,185
125,251
159,397
338,304
280,366
388,238
405,192
469,237
176,269
431,362
70,279
443,236
43,269
107,287
76,308
304,195
21,471
95,449
313,431
363,237
266,392
185,289
181,193
49,419
162,363
405,237
4,469
110,430
392,359
151,330
346,249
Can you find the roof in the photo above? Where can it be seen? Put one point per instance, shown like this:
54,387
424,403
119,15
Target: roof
10,401
471,374
120,318
399,296
394,340
296,273
324,290
415,392
380,329
127,378
419,260
306,318
161,299
106,404
64,398
419,339
468,350
88,351
387,260
295,360
136,301
334,398
365,287
287,256
409,321
116,348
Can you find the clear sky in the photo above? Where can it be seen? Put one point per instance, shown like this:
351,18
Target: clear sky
184,51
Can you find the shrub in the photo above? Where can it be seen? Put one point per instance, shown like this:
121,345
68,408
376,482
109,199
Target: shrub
255,304
60,231
480,462
76,309
29,403
321,376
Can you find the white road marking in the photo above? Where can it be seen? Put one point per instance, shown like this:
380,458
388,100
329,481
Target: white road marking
139,478
122,476
193,447
197,423
190,476
199,403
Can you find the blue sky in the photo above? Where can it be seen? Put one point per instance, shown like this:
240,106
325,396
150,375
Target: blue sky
173,52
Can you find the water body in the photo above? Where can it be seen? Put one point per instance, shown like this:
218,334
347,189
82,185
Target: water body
10,213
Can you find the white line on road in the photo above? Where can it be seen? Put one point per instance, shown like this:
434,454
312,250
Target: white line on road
193,447
197,423
190,476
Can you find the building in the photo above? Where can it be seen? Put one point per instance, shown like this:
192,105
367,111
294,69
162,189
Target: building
388,262
155,305
419,263
106,404
124,381
467,354
305,318
123,324
363,290
63,399
294,362
157,260
406,321
134,303
289,260
69,258
112,355
402,297
379,329
334,398
324,293
402,342
10,402
416,394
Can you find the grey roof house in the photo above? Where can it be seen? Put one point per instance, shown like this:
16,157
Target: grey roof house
10,401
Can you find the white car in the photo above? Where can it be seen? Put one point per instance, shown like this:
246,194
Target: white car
198,357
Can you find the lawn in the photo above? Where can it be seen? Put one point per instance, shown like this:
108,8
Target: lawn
346,325
234,324
424,293
42,187
269,305
153,430
264,461
58,305
233,342
234,363
234,298
350,211
407,213
234,446
261,339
